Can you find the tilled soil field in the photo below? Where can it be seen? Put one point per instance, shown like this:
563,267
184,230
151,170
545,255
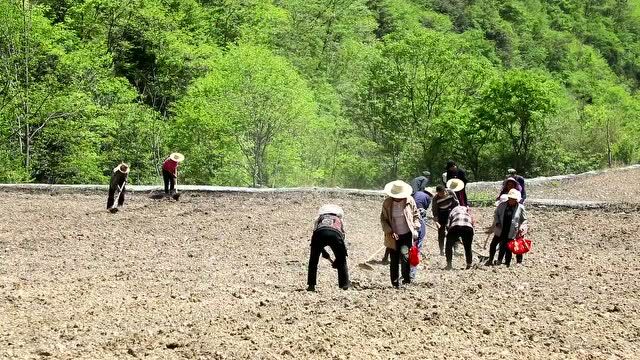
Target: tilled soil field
224,276
615,186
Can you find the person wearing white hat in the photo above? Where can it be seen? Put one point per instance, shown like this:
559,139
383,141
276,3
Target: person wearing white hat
509,222
400,222
170,174
329,231
513,173
117,187
507,185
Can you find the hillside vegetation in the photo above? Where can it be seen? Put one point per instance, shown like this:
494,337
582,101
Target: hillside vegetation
326,92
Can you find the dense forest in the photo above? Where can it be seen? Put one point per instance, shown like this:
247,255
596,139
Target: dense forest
349,93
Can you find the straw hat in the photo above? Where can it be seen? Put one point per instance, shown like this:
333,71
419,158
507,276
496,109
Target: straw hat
123,168
455,184
331,209
514,194
511,171
177,157
430,190
398,189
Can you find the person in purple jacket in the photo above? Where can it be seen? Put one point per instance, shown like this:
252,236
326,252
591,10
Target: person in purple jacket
507,185
514,174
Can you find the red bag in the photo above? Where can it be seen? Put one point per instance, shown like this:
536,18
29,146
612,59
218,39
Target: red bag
414,256
519,245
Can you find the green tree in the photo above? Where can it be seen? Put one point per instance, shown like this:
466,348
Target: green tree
520,104
252,106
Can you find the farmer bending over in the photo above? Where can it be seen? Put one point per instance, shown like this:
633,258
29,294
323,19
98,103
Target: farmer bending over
116,187
460,227
329,231
170,174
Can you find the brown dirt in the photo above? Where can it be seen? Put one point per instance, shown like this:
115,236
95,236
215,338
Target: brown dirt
612,186
224,277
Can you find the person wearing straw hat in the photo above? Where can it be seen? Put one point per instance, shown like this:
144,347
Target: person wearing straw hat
513,173
507,185
170,174
453,172
509,222
329,231
443,202
400,222
117,187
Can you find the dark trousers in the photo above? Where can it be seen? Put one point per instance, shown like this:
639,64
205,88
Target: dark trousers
114,193
456,233
503,250
332,239
401,259
443,220
169,182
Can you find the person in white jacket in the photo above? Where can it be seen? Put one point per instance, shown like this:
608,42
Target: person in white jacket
509,222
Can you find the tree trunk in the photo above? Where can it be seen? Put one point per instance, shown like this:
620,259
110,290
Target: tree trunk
26,25
609,159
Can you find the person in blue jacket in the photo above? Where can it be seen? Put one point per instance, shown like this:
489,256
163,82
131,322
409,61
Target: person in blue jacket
423,200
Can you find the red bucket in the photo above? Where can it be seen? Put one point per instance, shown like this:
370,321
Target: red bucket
519,246
414,256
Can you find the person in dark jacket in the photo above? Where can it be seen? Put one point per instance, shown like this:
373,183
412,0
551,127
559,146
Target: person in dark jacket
514,174
453,172
329,231
421,182
117,187
443,202
170,174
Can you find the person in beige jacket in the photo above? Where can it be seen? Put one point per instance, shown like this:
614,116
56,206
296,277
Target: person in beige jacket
400,222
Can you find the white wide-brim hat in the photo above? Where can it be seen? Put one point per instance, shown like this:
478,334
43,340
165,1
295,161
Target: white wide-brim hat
398,189
118,168
455,184
177,157
331,209
514,194
511,179
503,198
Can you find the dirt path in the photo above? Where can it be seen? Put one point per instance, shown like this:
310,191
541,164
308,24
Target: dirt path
224,277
